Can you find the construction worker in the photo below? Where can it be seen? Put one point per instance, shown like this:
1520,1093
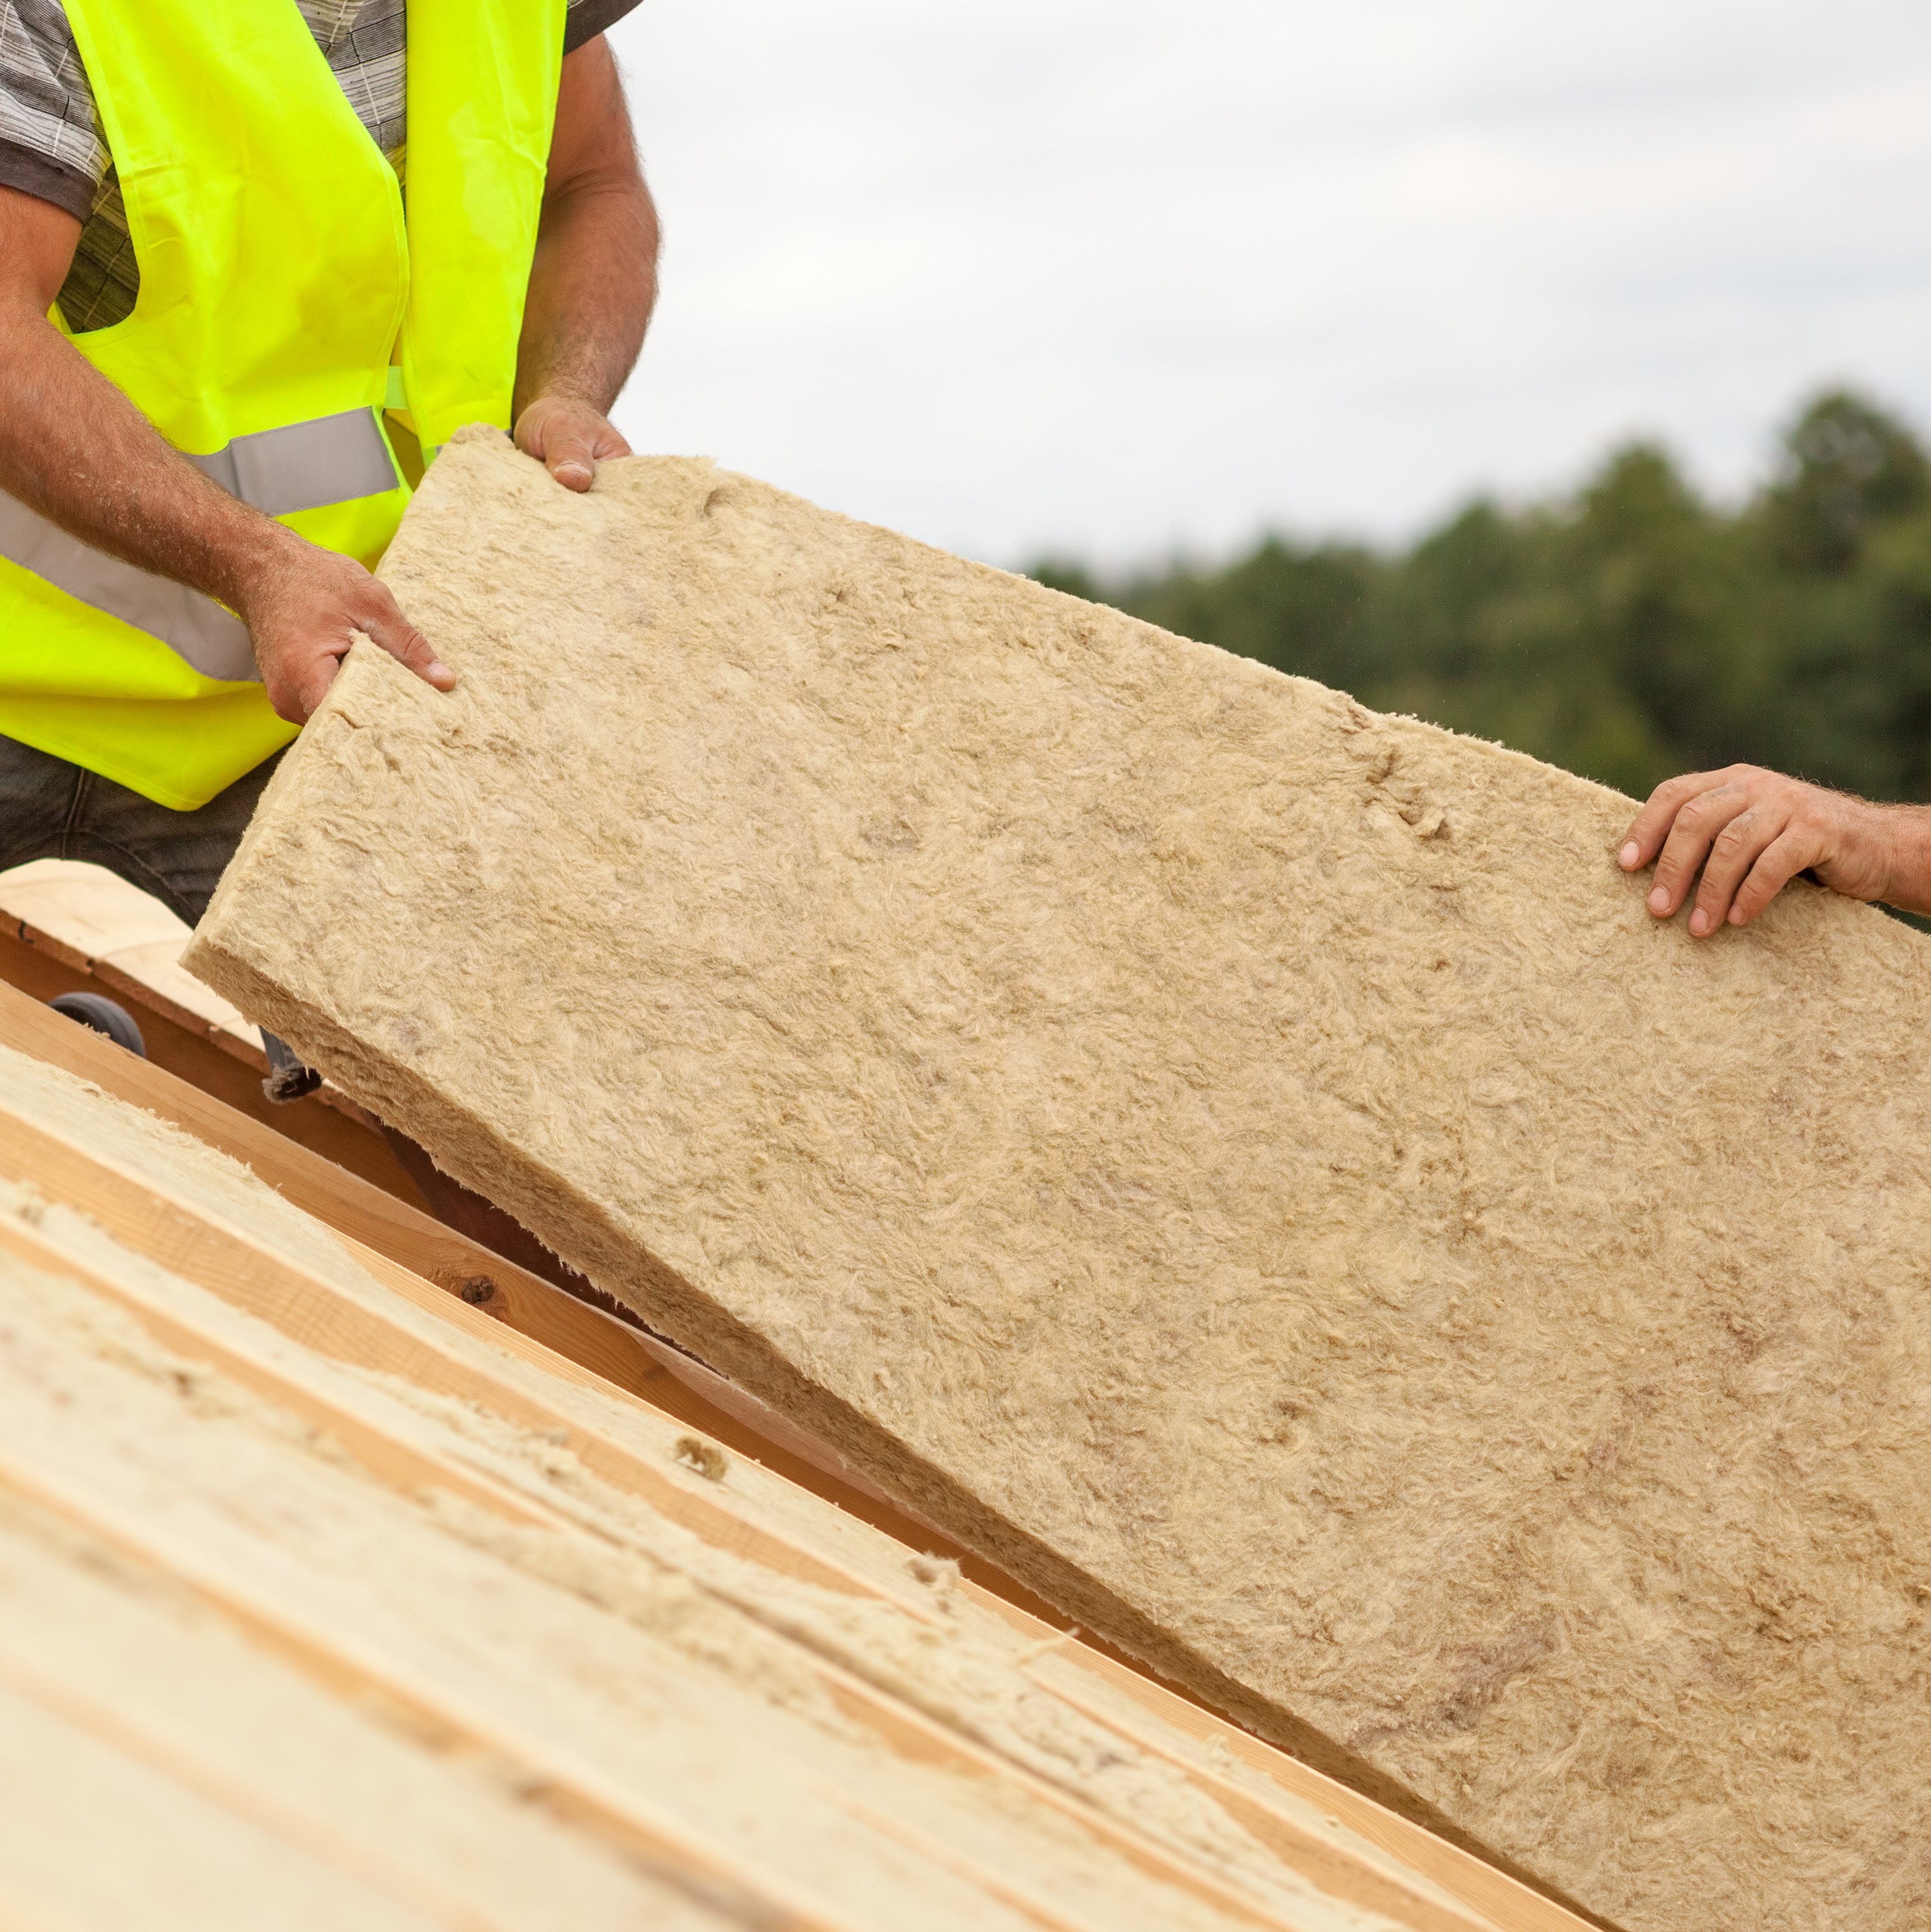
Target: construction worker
225,356
1751,831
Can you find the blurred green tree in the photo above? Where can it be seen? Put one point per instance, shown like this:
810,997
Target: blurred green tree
1630,630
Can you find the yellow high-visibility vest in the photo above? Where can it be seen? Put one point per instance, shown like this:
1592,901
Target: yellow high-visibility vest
278,281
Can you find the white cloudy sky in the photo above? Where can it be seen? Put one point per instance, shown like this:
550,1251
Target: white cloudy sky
1022,274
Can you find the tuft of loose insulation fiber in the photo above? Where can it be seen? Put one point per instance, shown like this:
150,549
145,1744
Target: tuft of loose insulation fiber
1251,1166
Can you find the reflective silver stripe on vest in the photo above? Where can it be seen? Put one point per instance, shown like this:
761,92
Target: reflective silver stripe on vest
306,467
195,627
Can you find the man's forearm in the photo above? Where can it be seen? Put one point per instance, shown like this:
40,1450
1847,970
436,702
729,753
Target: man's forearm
593,282
592,289
73,448
1906,830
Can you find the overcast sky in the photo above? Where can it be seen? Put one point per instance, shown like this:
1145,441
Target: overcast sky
1021,274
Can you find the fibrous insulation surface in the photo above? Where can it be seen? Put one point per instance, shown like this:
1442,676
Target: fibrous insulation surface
1251,1165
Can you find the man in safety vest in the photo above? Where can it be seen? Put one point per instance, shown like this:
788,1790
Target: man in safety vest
226,353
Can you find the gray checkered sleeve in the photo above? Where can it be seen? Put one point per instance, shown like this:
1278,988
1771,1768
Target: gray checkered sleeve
587,18
49,146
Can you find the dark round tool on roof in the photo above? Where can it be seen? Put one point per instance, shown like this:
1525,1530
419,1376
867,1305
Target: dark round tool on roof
102,1015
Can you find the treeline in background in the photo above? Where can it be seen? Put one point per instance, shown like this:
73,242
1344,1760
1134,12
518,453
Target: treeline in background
1632,631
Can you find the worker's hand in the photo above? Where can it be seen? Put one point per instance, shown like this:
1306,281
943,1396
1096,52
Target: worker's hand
304,605
569,438
1752,831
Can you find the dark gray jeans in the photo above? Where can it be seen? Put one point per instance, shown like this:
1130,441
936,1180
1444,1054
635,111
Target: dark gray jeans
50,809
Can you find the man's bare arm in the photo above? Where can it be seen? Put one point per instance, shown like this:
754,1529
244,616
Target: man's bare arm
594,281
73,448
1752,831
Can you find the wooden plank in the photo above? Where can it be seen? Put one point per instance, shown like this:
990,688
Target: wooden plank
403,1465
906,1732
909,1734
111,921
186,1239
78,943
551,1776
107,1837
32,973
949,1858
18,1914
150,1675
308,1829
1512,1905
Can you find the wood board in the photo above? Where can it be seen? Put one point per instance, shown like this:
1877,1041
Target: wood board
40,966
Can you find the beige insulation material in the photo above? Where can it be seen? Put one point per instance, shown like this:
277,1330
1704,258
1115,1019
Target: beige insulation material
690,1676
1251,1166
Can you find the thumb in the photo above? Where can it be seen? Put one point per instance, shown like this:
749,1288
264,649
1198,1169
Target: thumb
570,454
390,629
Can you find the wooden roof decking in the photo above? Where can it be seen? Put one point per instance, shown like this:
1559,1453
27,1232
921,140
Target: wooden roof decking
68,927
427,1386
98,917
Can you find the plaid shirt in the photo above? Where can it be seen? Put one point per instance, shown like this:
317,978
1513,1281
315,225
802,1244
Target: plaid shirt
50,143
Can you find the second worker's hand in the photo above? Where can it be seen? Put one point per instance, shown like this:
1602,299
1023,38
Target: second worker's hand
569,438
1750,831
304,606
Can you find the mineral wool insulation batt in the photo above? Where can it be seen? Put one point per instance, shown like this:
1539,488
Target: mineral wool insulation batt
1251,1166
